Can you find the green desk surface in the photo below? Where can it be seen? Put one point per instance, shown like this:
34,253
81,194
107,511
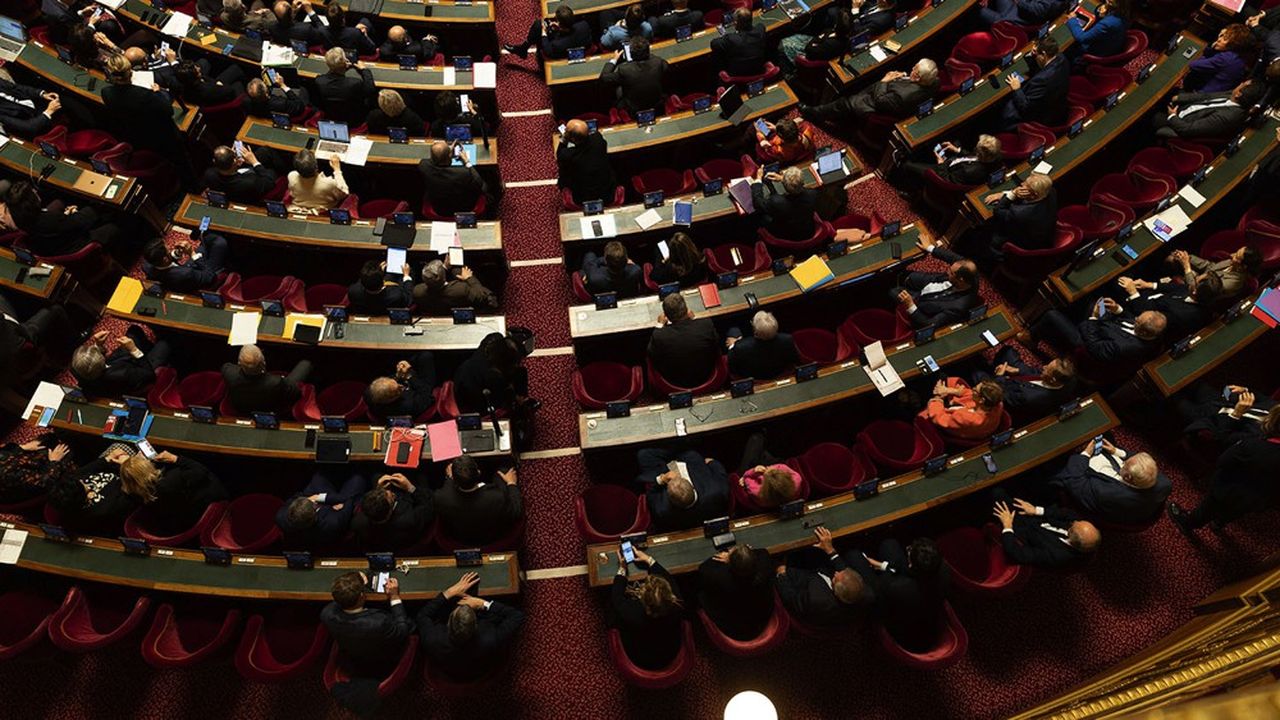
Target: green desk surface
899,497
234,436
924,24
775,398
256,131
248,576
1225,173
704,208
1210,347
42,287
1102,127
318,231
22,157
44,62
950,112
441,12
563,72
184,312
862,261
687,125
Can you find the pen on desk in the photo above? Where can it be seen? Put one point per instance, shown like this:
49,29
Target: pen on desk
79,418
164,308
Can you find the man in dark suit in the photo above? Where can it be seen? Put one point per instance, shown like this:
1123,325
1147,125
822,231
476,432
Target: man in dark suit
1025,216
742,52
196,89
1186,308
465,637
933,298
875,20
1114,485
348,32
1044,537
910,590
250,388
953,165
297,23
1118,338
393,516
1217,115
340,95
477,512
664,26
128,370
143,118
582,160
766,354
824,587
26,111
37,330
242,177
1263,187
317,519
399,42
1030,392
639,82
1225,415
261,100
554,37
684,497
370,640
409,393
787,215
612,272
57,229
685,350
735,590
437,294
1243,480
897,95
448,188
1022,12
1041,97
373,294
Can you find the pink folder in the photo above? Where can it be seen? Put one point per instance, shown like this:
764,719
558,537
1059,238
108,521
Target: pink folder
445,442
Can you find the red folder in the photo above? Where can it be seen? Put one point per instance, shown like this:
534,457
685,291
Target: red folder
710,295
405,448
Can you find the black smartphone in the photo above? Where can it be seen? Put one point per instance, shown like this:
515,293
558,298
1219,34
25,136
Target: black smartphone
752,301
311,437
402,453
311,143
895,250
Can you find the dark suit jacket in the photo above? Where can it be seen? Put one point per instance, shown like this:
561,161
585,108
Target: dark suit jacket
16,117
183,492
649,642
909,607
57,233
390,52
598,279
685,353
124,375
345,97
1029,225
584,168
1026,400
481,516
267,392
378,122
408,522
246,185
556,45
742,53
207,92
1107,499
710,481
13,337
944,307
330,528
640,83
898,99
1206,416
1107,341
966,170
142,118
1184,317
873,21
307,29
451,189
664,26
372,640
496,627
808,597
351,38
1040,540
455,294
289,102
415,400
763,359
361,301
739,608
477,374
786,216
1244,478
1042,97
1215,122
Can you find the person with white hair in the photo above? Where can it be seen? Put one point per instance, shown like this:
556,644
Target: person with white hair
951,163
250,388
341,95
764,355
1114,485
897,95
787,214
127,370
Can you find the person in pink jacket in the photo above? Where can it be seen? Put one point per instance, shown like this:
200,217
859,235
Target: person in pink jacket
771,485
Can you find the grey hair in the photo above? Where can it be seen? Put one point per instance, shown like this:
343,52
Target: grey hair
433,274
88,362
792,180
988,148
764,325
926,71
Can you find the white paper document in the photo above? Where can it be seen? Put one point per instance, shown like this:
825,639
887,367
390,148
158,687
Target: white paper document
178,25
648,218
484,75
357,151
1192,196
444,235
598,226
878,53
111,4
1174,217
47,395
244,328
143,78
277,55
11,546
881,372
450,76
1043,168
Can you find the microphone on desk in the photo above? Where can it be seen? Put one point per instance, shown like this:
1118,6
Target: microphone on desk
493,414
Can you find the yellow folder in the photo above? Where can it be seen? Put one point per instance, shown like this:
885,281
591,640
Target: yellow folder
125,298
812,273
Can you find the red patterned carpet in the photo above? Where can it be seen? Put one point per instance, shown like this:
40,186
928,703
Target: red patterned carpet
1058,631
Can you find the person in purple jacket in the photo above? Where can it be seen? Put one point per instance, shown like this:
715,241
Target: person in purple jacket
1224,64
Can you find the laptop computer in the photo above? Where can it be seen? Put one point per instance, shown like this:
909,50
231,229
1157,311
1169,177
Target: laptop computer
334,137
13,37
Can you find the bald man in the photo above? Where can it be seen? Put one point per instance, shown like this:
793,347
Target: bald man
820,586
583,163
451,188
1049,537
399,42
250,388
408,393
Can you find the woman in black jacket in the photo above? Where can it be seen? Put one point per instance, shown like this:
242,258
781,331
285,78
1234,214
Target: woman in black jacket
648,613
684,264
177,489
94,501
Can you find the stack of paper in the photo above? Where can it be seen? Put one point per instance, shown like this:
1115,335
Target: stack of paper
143,79
444,235
812,273
47,395
178,25
450,76
111,4
357,152
277,55
484,75
1173,216
445,442
244,328
11,546
878,53
125,297
881,372
1267,308
648,218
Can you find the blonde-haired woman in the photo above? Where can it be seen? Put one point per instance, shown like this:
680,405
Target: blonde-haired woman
176,489
648,613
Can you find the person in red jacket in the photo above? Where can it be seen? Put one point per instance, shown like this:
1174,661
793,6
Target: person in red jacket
965,412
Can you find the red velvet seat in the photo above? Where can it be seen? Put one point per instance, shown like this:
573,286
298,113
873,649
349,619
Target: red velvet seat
680,103
247,526
380,208
955,443
897,447
140,522
754,258
255,289
224,119
821,233
205,388
942,195
189,635
978,564
1257,212
317,296
717,380
952,645
667,677
92,265
24,507
1026,267
345,399
1028,136
154,171
770,638
864,327
1137,189
579,287
91,619
859,221
78,143
597,384
833,468
1099,219
821,346
1075,113
953,73
810,76
1180,159
510,540
874,131
724,169
334,673
280,646
983,48
1135,42
771,73
1096,84
566,199
604,513
27,615
670,182
429,211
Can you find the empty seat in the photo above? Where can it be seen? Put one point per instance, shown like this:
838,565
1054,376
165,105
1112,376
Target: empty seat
896,447
334,673
832,468
141,523
27,615
978,564
189,635
665,387
247,526
770,638
597,384
666,677
951,646
91,619
281,645
754,258
604,513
